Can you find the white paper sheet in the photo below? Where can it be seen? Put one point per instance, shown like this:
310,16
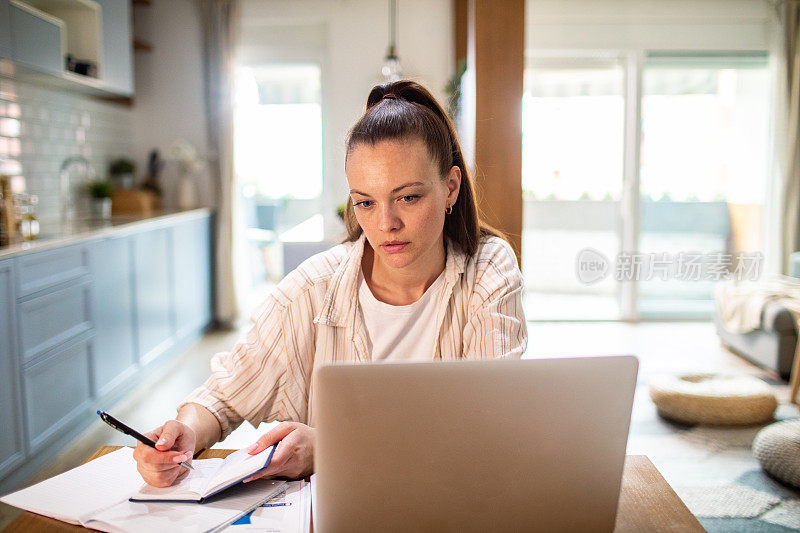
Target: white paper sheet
287,512
96,495
82,491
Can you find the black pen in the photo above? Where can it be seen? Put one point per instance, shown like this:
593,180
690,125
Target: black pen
122,428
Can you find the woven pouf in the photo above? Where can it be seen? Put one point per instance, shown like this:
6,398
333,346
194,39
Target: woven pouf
777,448
713,399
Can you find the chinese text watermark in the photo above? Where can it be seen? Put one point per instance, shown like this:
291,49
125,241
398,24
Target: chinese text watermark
593,266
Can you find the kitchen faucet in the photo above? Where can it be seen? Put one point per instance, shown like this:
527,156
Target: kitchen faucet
64,175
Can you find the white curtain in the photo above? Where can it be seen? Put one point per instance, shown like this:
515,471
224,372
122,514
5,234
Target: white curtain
789,13
220,20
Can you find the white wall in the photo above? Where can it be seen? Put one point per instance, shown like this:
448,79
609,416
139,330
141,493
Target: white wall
169,104
649,24
349,38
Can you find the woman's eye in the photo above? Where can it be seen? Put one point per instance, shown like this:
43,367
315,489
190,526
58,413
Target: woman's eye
409,197
363,203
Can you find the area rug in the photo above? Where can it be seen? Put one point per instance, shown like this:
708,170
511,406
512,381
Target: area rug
713,470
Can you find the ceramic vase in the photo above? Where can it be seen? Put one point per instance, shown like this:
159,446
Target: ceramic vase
187,193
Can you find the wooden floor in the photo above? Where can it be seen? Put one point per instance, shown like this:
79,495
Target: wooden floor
661,348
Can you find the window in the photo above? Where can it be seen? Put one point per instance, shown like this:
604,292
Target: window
703,173
278,165
278,124
700,185
572,153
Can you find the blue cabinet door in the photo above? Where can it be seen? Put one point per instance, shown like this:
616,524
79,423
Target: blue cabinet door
153,301
49,320
191,253
58,392
114,356
11,441
117,67
41,271
36,41
5,30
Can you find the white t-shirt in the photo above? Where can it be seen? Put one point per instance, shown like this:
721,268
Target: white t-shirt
400,332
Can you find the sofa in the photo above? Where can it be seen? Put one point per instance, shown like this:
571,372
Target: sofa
773,345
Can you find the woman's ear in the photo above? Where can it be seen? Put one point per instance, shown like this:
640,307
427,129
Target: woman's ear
453,182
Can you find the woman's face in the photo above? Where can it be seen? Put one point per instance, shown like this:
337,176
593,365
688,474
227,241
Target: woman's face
399,200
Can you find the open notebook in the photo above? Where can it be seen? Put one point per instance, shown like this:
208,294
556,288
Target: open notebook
209,477
96,495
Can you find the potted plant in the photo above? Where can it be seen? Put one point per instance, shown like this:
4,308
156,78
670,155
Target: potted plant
100,192
121,171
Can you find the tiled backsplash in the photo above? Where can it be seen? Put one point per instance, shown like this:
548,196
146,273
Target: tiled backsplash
41,127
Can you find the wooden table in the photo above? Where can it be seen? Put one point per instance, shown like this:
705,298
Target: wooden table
646,501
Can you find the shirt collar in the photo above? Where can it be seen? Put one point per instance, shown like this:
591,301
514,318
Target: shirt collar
339,306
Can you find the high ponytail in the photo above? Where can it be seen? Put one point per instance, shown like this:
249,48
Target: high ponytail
405,110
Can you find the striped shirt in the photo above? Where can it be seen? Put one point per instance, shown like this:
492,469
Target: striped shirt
311,319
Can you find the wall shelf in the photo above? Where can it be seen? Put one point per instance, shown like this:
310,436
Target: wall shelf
82,30
41,34
142,46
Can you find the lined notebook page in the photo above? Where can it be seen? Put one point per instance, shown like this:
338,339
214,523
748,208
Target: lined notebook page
80,492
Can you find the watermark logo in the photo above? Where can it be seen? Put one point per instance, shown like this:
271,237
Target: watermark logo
592,266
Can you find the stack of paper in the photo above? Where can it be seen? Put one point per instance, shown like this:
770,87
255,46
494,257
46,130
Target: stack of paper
129,516
289,511
96,495
78,493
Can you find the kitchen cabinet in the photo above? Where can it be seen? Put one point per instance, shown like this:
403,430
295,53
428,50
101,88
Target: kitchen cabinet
191,260
48,320
53,292
43,270
36,38
117,36
114,360
5,30
57,391
11,437
39,34
55,340
84,320
154,300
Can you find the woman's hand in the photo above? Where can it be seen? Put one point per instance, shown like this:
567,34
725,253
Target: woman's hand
175,442
294,456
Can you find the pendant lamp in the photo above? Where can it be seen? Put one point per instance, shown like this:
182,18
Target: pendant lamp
391,69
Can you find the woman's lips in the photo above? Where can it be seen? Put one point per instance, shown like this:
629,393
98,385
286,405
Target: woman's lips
393,248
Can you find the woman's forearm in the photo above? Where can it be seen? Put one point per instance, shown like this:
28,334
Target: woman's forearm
205,425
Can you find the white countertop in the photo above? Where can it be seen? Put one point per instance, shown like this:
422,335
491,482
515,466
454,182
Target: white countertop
89,229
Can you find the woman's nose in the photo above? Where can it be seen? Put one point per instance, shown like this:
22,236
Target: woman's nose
388,219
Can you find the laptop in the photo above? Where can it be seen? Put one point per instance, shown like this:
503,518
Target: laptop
504,445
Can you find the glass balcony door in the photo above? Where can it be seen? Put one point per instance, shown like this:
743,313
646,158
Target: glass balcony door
572,175
703,174
644,180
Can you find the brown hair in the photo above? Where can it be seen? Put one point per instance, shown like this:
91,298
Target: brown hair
406,110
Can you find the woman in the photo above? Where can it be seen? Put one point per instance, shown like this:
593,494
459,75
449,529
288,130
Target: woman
418,278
